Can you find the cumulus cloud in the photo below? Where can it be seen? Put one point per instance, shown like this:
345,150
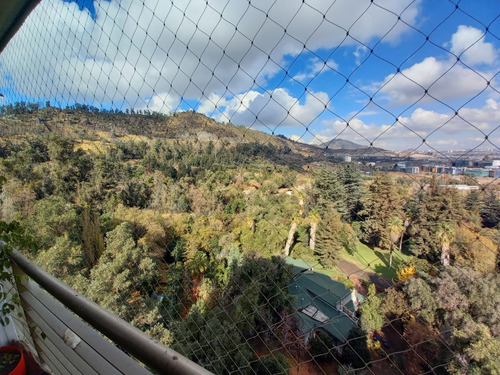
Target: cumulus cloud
442,80
468,127
270,109
132,50
446,78
468,43
162,103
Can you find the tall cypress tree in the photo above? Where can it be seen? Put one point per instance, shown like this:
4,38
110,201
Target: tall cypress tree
328,190
381,203
328,244
349,176
490,210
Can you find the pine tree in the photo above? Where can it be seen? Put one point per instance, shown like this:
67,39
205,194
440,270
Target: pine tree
381,203
92,238
490,210
371,312
124,271
328,245
349,176
473,205
328,190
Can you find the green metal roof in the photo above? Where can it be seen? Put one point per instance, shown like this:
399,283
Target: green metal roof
339,326
298,265
322,286
12,15
319,294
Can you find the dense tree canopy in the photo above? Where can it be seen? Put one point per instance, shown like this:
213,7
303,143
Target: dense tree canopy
186,240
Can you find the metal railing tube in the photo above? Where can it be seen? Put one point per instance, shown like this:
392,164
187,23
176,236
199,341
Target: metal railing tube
141,346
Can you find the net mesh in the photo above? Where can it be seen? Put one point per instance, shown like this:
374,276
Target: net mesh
177,160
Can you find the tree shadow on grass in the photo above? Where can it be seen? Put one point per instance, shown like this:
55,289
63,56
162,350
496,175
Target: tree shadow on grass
384,270
384,257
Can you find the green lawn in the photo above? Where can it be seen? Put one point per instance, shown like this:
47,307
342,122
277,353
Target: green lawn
375,260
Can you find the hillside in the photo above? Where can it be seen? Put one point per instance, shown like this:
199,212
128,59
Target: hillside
91,125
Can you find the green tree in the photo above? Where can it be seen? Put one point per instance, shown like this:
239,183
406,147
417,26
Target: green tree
421,298
329,246
275,363
329,190
92,237
439,207
371,312
211,339
381,202
256,295
490,209
350,177
479,350
53,217
321,346
69,166
124,277
472,205
355,351
64,260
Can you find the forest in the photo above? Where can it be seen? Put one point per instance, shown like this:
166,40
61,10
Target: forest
185,237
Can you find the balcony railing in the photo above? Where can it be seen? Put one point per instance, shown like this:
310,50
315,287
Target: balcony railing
68,345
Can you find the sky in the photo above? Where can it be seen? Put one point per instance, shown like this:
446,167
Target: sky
396,74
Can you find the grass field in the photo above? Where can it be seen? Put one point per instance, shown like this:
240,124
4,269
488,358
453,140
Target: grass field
375,260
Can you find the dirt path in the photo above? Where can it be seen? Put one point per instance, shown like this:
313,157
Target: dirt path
352,269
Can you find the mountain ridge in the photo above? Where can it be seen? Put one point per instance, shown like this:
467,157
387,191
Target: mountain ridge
181,126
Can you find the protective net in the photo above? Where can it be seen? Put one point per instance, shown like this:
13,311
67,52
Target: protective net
303,187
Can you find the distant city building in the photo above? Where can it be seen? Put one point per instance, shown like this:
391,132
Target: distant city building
463,163
495,164
477,172
496,173
482,164
462,187
347,159
453,170
413,170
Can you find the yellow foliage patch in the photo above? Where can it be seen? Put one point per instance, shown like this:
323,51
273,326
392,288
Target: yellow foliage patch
407,273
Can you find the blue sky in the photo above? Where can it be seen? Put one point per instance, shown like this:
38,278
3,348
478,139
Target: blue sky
382,72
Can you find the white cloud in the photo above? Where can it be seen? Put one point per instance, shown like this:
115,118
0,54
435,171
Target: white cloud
468,43
443,80
225,47
315,68
270,109
163,103
467,128
359,53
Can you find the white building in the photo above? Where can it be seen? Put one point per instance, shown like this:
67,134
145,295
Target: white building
412,170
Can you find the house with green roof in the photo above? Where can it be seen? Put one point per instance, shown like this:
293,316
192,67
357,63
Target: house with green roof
321,303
